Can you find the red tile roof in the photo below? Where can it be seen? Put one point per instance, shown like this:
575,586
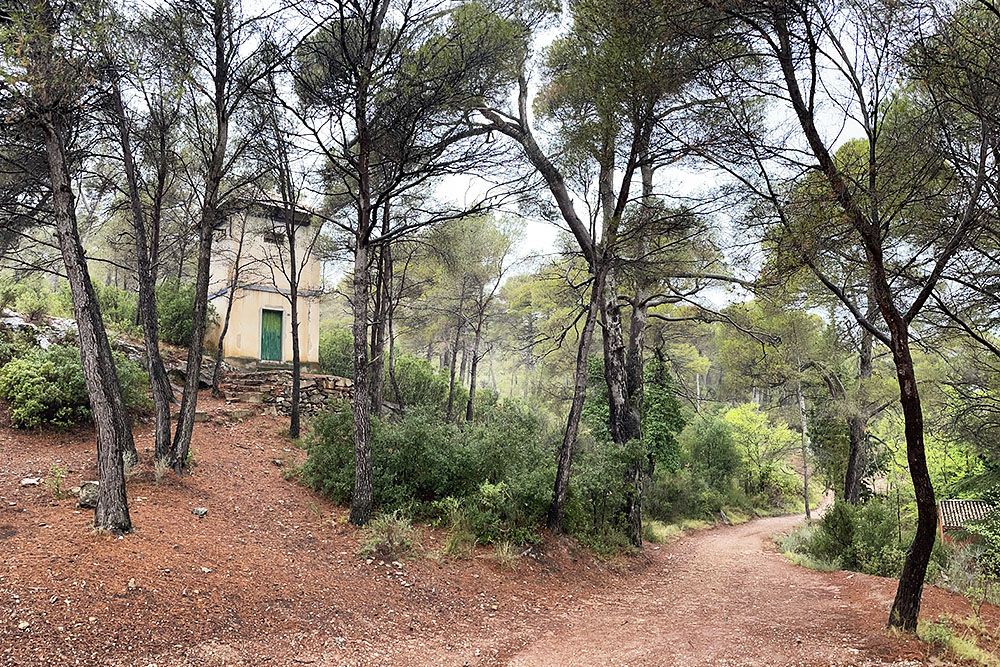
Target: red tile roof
960,513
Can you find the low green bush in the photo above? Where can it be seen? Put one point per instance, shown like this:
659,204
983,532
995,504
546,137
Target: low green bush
387,537
865,538
34,300
834,541
119,308
336,351
47,387
175,312
15,343
420,384
493,475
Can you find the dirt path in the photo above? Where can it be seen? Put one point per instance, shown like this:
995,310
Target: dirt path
271,577
718,597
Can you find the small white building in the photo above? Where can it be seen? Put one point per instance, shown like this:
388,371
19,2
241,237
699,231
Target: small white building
253,241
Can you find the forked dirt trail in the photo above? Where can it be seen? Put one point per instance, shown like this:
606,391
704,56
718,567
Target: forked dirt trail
271,576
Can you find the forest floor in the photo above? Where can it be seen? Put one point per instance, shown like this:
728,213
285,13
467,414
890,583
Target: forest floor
271,576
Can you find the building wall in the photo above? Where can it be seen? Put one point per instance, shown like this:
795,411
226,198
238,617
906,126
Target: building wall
243,338
262,286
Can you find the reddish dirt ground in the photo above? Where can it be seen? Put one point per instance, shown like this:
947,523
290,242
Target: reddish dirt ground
271,577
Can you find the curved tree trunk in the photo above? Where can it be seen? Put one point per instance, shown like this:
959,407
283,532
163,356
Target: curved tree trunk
564,459
906,605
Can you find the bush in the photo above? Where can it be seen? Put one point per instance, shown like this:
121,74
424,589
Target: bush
496,515
834,540
15,343
686,495
387,537
34,300
877,548
710,451
419,383
175,312
485,474
47,387
336,351
865,538
119,308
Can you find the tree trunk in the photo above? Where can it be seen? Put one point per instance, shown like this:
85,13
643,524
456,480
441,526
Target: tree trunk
189,399
294,422
146,313
234,284
391,334
452,366
805,446
474,367
857,422
624,418
382,299
362,499
564,458
906,606
114,433
463,365
217,362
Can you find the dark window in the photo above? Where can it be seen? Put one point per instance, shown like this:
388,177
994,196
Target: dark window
274,238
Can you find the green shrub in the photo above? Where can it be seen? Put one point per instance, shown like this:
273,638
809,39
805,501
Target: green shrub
8,292
15,343
34,300
175,312
119,308
496,471
710,451
876,546
496,515
336,351
387,537
329,468
419,383
834,540
47,387
686,495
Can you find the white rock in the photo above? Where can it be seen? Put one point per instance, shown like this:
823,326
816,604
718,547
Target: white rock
31,481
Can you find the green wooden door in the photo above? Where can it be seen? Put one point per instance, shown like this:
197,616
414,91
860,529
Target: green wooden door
270,335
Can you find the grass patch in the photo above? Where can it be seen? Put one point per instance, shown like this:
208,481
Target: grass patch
942,635
55,481
506,554
795,547
809,562
161,466
659,532
388,537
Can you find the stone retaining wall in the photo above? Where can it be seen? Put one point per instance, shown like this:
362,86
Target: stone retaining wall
273,389
315,392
